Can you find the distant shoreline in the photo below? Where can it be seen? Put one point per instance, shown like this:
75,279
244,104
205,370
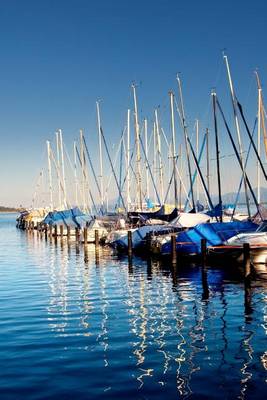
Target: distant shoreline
9,210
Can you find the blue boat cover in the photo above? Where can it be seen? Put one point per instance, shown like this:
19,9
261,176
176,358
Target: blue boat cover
73,218
189,242
149,203
216,211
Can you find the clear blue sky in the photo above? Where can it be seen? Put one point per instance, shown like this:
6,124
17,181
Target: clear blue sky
59,56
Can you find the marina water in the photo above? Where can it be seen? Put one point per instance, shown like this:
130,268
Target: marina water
80,325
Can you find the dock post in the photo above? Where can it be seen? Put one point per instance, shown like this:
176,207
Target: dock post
85,231
61,231
50,231
205,285
55,231
68,233
85,249
45,231
77,234
204,251
96,238
148,241
39,229
247,279
130,244
246,260
97,247
173,249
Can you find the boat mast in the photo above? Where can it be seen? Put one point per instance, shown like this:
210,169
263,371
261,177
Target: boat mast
155,153
173,151
75,172
50,174
100,156
83,170
128,160
259,138
237,131
197,154
262,112
58,165
63,167
186,140
138,155
180,178
112,169
207,160
213,94
160,158
146,155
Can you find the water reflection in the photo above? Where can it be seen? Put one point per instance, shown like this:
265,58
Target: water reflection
161,329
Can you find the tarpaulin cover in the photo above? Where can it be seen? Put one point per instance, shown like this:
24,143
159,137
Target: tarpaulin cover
138,235
73,218
216,211
189,242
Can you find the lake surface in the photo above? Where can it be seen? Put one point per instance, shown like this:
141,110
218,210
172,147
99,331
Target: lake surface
79,325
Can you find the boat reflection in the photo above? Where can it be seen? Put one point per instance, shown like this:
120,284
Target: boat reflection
171,326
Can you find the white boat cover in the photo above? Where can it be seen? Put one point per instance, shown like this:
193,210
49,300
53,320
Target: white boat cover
189,220
138,235
251,238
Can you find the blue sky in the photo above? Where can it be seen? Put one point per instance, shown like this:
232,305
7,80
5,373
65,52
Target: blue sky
59,57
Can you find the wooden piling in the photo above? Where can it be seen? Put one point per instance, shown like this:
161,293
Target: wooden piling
68,232
61,231
97,258
246,260
55,231
173,249
85,235
97,238
50,231
77,234
130,243
86,256
45,231
204,251
205,285
148,241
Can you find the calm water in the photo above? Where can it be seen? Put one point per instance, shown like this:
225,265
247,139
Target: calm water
75,327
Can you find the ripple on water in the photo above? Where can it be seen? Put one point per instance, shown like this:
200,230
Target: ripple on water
73,328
